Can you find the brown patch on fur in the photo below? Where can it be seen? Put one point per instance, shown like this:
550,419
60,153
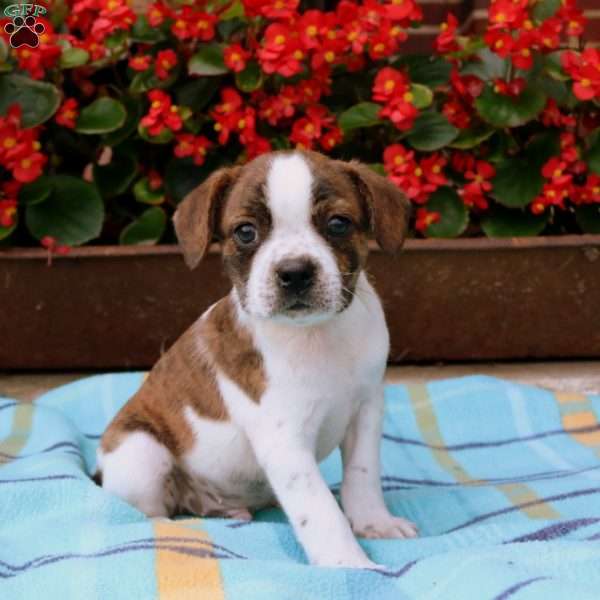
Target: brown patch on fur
185,376
196,216
335,194
388,207
232,350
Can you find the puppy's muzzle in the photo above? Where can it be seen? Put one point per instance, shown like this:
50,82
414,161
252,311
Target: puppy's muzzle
295,279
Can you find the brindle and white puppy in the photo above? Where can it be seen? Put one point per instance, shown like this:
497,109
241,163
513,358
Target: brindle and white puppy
276,375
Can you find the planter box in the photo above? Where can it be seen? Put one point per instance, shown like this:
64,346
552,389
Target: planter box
455,300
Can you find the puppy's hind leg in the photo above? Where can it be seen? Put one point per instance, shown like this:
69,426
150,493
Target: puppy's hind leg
136,471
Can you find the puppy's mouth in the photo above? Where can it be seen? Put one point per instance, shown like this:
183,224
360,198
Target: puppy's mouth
297,306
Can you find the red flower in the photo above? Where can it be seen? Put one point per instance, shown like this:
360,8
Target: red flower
433,169
227,113
446,41
165,61
8,213
403,11
500,42
29,167
584,68
555,170
573,17
521,53
157,13
549,34
473,198
115,16
19,148
155,181
307,130
271,9
191,145
309,26
194,24
162,115
235,57
67,114
479,177
256,146
512,88
553,117
457,114
388,84
141,62
425,218
281,52
331,139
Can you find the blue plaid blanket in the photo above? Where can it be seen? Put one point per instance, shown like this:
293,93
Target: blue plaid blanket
502,479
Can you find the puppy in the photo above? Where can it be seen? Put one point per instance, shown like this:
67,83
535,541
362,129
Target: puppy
276,375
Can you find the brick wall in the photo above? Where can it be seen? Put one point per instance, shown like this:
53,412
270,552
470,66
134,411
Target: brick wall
473,16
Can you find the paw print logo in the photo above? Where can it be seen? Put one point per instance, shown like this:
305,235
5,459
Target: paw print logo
24,31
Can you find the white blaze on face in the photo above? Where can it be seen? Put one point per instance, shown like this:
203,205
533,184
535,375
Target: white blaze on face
289,199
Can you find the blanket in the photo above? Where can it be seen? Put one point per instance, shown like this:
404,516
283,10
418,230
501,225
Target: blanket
502,479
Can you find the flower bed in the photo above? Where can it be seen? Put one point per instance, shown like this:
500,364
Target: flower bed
115,116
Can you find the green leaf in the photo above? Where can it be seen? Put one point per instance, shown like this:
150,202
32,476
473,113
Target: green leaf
422,95
35,192
143,32
145,194
592,156
3,51
588,217
197,93
135,110
73,213
250,79
235,11
502,222
470,138
378,168
182,176
116,177
101,116
164,137
431,131
73,57
6,231
148,228
208,61
544,9
553,66
519,179
490,66
426,70
517,182
365,114
38,100
504,111
147,80
454,216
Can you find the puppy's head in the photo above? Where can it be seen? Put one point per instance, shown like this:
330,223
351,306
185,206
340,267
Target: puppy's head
294,228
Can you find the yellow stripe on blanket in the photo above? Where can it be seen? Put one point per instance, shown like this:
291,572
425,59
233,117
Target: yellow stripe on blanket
577,413
20,431
182,572
519,494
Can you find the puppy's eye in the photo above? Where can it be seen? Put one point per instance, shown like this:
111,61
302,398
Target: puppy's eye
339,226
245,234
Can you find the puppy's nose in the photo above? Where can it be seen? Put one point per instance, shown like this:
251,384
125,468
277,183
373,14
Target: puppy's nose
295,275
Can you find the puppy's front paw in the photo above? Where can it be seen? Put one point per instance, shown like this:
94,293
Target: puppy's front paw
384,526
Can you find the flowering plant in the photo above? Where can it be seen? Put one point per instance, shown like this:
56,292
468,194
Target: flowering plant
116,114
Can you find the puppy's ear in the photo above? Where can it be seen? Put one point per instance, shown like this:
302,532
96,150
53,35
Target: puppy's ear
195,219
389,209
